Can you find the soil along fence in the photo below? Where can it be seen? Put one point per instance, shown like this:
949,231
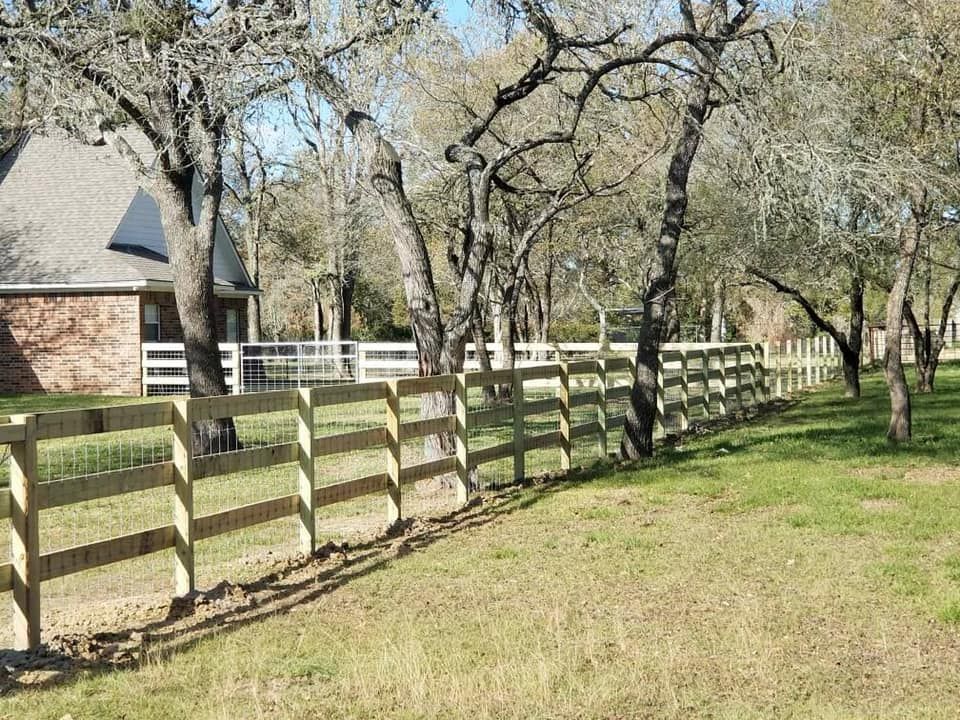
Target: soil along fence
372,432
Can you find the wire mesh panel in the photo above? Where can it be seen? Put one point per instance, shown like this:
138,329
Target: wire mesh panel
241,553
490,409
95,490
583,414
350,439
281,366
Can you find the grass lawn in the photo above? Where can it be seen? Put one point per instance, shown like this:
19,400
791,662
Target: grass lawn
797,566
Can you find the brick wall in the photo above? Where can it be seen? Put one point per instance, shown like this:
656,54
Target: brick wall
77,342
170,330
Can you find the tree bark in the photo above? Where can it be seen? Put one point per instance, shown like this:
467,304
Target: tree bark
928,343
317,302
254,326
483,357
717,310
641,417
190,243
900,427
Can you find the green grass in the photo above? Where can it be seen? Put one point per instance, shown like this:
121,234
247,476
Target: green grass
797,566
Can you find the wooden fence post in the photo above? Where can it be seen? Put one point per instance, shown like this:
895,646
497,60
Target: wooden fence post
761,353
519,449
705,382
184,576
236,366
602,408
778,383
307,470
661,422
789,366
565,446
25,536
463,436
818,364
394,462
723,380
809,345
738,357
684,392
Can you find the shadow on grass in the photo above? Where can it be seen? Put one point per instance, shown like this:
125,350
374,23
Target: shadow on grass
226,607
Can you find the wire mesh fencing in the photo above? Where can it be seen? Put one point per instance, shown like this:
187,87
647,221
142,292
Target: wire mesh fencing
286,365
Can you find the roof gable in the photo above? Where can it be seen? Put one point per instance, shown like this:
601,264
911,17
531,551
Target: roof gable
75,214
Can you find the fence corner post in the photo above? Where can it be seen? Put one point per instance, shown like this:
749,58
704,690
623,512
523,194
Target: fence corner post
684,391
394,502
602,408
461,408
566,461
519,447
25,536
307,472
184,576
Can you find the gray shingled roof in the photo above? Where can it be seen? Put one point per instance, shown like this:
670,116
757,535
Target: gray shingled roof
61,203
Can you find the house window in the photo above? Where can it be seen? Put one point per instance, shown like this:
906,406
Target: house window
233,326
151,323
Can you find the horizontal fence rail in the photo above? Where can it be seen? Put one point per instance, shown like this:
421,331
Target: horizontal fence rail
574,404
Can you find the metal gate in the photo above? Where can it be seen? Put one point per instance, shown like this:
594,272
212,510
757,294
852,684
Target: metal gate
282,366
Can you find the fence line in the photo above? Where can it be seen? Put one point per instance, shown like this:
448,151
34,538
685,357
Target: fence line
584,400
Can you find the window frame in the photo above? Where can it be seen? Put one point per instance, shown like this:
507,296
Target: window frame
147,323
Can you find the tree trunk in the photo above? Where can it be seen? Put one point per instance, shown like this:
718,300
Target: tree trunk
672,329
717,310
347,289
483,357
900,412
190,245
642,414
317,300
851,342
254,327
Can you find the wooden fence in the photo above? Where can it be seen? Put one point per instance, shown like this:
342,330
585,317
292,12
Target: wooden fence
695,382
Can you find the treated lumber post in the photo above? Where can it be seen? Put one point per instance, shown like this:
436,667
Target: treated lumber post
789,366
660,426
462,439
565,446
705,382
237,369
818,360
519,451
25,536
602,408
763,371
306,473
723,380
184,576
738,379
779,379
684,392
393,453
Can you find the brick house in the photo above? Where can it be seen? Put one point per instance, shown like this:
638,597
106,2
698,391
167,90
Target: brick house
84,275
